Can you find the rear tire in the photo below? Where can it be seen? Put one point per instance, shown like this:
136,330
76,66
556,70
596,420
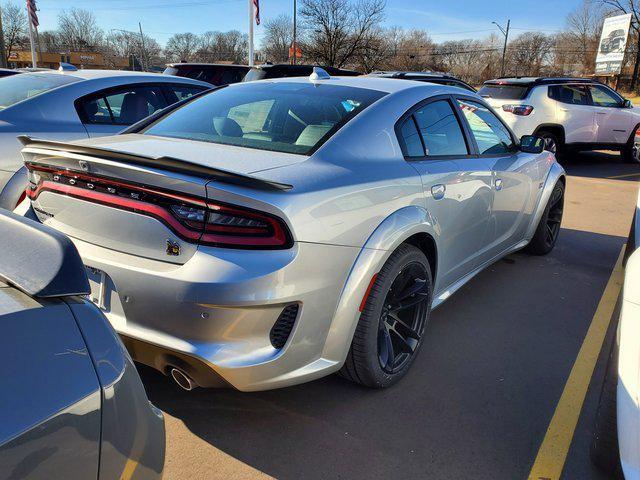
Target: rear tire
552,143
630,153
546,235
604,450
392,323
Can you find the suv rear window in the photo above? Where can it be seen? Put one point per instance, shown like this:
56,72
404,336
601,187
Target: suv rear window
505,92
281,117
213,74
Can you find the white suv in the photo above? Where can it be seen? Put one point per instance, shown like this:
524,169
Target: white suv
569,113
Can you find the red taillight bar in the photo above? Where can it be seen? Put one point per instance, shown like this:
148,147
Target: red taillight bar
273,235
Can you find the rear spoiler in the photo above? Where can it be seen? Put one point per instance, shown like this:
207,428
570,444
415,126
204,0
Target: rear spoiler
40,261
166,163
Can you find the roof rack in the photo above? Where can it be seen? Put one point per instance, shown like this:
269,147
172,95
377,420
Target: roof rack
530,81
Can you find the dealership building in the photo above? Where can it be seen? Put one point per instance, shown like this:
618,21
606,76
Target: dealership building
92,60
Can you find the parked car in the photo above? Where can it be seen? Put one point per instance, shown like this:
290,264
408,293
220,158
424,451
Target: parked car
431,77
67,105
7,72
272,233
71,402
214,73
279,70
615,447
614,42
569,113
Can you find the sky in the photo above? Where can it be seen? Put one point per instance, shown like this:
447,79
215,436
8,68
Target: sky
443,19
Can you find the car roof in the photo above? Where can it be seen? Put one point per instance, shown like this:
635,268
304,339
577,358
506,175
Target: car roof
382,84
531,81
130,75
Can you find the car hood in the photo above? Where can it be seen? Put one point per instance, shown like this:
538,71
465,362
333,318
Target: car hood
223,157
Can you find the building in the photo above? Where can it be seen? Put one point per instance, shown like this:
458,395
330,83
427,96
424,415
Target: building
89,60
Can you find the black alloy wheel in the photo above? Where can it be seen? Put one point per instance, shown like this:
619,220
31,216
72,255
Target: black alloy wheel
403,318
548,230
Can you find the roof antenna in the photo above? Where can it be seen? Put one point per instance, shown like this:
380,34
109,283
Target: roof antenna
319,74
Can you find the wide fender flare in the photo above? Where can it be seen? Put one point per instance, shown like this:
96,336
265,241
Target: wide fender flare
556,172
389,235
11,192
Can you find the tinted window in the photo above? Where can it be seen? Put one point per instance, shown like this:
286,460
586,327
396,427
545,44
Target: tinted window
440,129
16,88
411,138
214,74
284,117
505,92
489,132
570,94
183,92
125,106
603,97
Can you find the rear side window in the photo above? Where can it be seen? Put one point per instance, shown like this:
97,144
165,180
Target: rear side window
491,136
282,117
504,92
569,94
438,132
16,88
124,106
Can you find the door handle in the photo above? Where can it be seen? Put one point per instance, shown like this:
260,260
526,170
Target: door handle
601,113
498,184
438,191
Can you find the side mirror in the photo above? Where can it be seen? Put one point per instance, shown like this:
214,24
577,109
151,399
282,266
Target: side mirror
627,104
532,144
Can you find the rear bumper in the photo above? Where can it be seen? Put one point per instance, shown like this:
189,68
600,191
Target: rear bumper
212,316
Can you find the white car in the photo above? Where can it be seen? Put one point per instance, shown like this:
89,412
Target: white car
569,113
616,442
75,104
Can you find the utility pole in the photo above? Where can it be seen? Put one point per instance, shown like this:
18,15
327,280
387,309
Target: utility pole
506,39
145,60
251,16
295,27
3,50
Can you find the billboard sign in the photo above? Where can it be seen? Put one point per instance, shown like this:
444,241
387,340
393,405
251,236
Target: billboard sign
613,43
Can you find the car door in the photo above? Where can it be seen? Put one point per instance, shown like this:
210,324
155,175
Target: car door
574,112
516,175
614,123
111,111
457,185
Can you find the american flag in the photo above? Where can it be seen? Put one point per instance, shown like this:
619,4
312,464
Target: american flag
33,16
256,4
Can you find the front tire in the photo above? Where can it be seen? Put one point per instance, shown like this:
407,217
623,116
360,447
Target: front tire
392,323
546,235
631,152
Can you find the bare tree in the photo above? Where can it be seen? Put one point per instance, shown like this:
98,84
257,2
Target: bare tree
410,50
580,41
278,38
528,53
78,30
182,47
14,27
231,46
337,30
123,44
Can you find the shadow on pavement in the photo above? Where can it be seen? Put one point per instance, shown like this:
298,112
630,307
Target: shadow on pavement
600,164
475,404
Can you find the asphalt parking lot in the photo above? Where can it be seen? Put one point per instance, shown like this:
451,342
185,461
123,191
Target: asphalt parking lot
480,396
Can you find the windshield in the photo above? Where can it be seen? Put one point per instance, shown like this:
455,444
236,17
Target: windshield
17,88
505,92
281,117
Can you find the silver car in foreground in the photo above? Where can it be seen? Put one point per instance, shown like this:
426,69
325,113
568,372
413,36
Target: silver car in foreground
71,401
73,104
270,233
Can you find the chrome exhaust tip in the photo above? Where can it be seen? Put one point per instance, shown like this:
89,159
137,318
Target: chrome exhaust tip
183,380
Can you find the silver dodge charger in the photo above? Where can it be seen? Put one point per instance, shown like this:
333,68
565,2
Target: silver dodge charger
270,233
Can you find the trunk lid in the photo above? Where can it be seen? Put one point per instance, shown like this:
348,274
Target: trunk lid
124,193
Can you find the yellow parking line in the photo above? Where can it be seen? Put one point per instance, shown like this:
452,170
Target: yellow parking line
555,446
129,469
627,175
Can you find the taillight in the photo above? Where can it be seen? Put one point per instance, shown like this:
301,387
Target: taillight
191,218
23,195
523,110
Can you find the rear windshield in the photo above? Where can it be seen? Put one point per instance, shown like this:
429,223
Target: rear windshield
506,92
213,74
281,117
17,88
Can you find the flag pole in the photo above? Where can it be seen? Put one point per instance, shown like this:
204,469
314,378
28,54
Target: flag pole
34,60
251,33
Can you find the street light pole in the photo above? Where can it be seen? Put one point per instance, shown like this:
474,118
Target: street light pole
3,50
144,49
506,39
295,26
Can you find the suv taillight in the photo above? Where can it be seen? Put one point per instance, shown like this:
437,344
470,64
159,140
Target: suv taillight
193,219
523,110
